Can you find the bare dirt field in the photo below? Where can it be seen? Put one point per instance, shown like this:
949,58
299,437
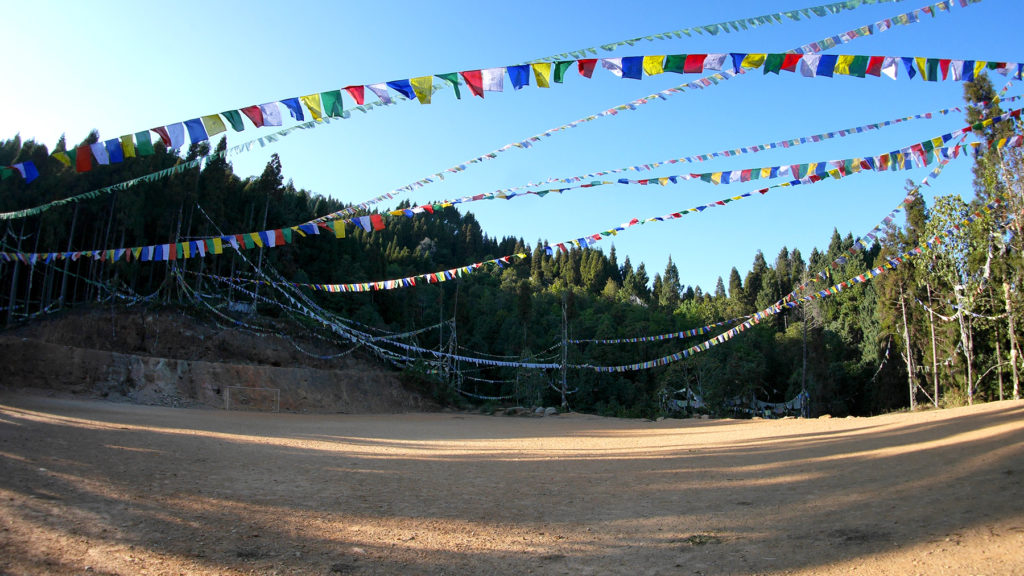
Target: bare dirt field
97,487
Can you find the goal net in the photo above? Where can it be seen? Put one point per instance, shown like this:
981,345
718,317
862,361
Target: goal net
255,399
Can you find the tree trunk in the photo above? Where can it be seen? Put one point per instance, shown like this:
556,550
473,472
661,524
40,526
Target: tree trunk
935,359
908,355
1013,340
967,340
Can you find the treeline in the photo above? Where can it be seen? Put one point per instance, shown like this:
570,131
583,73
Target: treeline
941,328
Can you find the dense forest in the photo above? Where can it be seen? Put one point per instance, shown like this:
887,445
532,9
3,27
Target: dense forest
940,329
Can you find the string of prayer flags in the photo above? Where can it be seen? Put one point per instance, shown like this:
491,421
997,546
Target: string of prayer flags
729,26
660,337
586,67
27,170
329,103
889,264
910,157
408,281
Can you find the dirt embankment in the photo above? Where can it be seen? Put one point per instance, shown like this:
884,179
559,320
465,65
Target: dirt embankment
164,357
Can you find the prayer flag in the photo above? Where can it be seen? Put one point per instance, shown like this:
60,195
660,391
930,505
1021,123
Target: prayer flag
234,118
312,102
843,64
676,63
773,63
613,65
714,61
196,132
255,114
114,151
127,146
164,136
356,92
474,81
827,65
654,65
493,79
176,133
403,87
586,66
560,68
874,67
890,67
542,74
453,79
213,124
694,63
339,228
28,170
809,65
293,107
333,106
519,75
271,114
633,67
753,60
790,61
381,91
99,151
144,143
422,86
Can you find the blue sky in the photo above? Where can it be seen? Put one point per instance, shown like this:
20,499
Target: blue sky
121,67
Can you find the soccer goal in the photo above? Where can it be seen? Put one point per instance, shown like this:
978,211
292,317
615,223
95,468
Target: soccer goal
257,399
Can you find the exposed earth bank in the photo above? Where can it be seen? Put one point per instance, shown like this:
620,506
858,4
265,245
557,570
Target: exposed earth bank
163,357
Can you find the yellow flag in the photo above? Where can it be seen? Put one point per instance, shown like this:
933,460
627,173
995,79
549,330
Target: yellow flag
255,237
766,172
128,146
753,60
922,67
339,228
542,73
421,86
654,65
186,249
843,64
218,246
63,157
213,124
313,103
716,178
979,66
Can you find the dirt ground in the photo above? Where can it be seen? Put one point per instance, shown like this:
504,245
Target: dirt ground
97,487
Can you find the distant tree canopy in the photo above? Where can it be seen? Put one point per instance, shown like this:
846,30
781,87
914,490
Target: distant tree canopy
942,328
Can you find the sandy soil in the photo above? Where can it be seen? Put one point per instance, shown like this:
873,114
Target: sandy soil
94,487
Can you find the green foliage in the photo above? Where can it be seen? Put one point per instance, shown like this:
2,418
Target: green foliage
866,349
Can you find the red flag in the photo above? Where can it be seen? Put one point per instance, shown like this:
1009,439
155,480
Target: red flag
377,221
279,238
162,132
474,81
790,61
83,158
875,65
255,114
944,66
356,92
586,66
694,63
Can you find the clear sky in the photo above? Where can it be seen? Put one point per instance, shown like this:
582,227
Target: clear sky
121,67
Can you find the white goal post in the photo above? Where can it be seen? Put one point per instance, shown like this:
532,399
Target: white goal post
250,397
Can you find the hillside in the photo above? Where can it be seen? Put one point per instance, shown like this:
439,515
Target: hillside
165,357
